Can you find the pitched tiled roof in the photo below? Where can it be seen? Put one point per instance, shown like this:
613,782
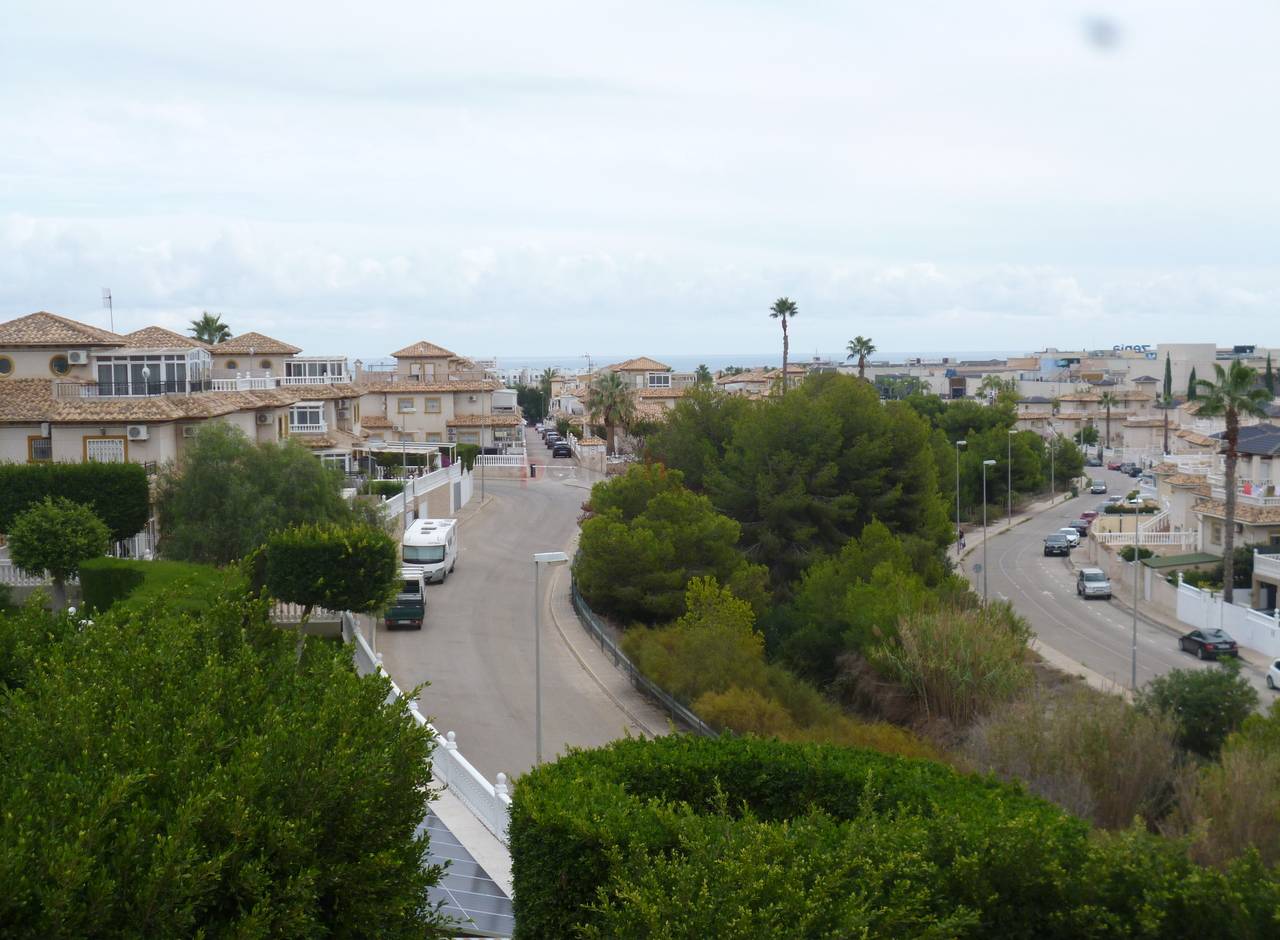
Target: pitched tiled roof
414,388
49,329
375,422
424,350
1200,440
591,442
1167,467
157,337
1144,379
1079,396
639,364
260,344
661,392
29,400
1245,512
1135,422
1262,440
483,421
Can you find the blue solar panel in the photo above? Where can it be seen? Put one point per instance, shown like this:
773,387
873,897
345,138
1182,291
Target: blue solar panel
471,898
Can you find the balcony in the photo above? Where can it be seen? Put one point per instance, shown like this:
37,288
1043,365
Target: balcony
73,390
1266,566
341,379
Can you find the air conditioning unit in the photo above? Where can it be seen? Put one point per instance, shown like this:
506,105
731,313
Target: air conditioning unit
189,431
45,429
137,432
471,398
264,418
78,357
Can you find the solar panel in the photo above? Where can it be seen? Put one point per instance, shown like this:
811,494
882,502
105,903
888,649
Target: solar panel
473,900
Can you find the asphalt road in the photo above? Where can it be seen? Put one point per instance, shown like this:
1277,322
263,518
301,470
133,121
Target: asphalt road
1097,634
476,647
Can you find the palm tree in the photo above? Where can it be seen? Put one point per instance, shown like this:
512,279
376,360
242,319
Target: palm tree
702,375
210,329
860,347
1108,401
611,402
1235,393
544,381
784,308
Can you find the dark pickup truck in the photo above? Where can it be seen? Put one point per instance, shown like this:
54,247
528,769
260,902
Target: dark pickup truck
410,604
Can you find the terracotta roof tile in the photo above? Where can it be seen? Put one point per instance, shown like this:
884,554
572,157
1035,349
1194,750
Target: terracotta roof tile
591,442
415,388
639,364
260,344
157,337
49,329
1245,512
424,350
483,421
662,392
375,422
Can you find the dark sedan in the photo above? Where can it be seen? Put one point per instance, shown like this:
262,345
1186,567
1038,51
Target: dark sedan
562,449
1208,644
1057,545
1081,526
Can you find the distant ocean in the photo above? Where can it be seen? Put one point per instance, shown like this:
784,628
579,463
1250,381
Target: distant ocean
687,363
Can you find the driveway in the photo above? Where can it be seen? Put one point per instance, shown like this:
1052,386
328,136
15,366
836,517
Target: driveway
1096,634
476,647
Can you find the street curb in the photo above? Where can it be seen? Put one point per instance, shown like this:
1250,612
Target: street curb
1025,517
631,716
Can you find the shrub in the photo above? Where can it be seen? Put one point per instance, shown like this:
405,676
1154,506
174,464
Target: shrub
959,662
1127,552
118,493
171,775
383,488
467,454
1090,752
691,837
1205,704
106,582
57,536
103,581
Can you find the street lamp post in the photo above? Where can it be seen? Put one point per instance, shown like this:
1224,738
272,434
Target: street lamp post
959,444
1133,659
985,464
550,559
1052,487
1009,482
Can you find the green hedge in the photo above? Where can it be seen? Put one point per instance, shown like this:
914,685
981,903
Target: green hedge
105,582
384,488
745,837
118,493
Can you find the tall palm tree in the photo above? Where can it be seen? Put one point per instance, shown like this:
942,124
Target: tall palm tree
784,308
210,329
702,375
544,381
1235,393
611,402
860,348
1108,401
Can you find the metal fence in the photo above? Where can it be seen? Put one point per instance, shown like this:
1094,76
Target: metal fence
676,709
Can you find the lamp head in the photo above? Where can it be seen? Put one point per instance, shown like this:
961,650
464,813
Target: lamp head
961,443
988,463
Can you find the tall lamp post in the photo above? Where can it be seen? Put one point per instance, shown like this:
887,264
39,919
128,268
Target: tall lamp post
959,444
985,464
551,560
1009,481
1133,660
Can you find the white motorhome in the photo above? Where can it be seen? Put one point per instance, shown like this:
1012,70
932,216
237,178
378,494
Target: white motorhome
431,545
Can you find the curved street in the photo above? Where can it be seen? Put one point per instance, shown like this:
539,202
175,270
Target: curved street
1096,634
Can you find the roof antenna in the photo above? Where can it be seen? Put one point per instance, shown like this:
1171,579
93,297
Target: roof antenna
106,302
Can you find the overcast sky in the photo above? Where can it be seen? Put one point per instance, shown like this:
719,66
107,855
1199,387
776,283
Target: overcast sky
522,179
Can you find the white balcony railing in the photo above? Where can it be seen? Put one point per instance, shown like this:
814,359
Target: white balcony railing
1268,566
1185,537
244,383
315,380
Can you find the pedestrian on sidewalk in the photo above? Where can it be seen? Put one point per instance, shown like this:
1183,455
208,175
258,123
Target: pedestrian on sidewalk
960,538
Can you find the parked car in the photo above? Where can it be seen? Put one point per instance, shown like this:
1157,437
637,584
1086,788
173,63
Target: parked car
1135,472
1057,544
1127,467
1093,582
562,449
1098,487
1089,515
1273,675
1093,462
1081,526
1113,465
1115,500
552,438
1208,644
1072,536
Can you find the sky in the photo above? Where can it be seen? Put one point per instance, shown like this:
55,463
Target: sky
519,179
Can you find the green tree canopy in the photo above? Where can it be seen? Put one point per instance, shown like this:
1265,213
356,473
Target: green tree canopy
611,402
647,538
804,474
171,774
696,433
784,309
210,329
702,375
860,348
118,493
57,536
229,494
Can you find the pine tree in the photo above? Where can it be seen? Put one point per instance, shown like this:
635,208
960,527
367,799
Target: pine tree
1168,377
1269,377
1191,385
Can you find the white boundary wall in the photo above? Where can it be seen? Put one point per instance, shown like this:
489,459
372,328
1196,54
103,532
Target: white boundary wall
1250,628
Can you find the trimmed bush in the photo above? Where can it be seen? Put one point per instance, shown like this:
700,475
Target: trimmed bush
117,493
383,488
691,837
1127,552
105,582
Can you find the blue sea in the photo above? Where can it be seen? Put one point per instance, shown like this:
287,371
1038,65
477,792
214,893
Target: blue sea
682,362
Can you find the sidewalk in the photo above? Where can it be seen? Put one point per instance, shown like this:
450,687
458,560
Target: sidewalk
974,538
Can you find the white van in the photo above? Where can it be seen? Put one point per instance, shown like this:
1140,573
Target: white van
431,545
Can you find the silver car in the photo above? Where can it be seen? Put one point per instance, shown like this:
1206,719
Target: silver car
1093,582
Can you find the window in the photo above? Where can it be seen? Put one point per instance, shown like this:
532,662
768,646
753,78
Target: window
468,437
6,366
659,379
405,405
1215,533
433,437
58,365
307,416
264,364
39,449
104,449
431,405
232,364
